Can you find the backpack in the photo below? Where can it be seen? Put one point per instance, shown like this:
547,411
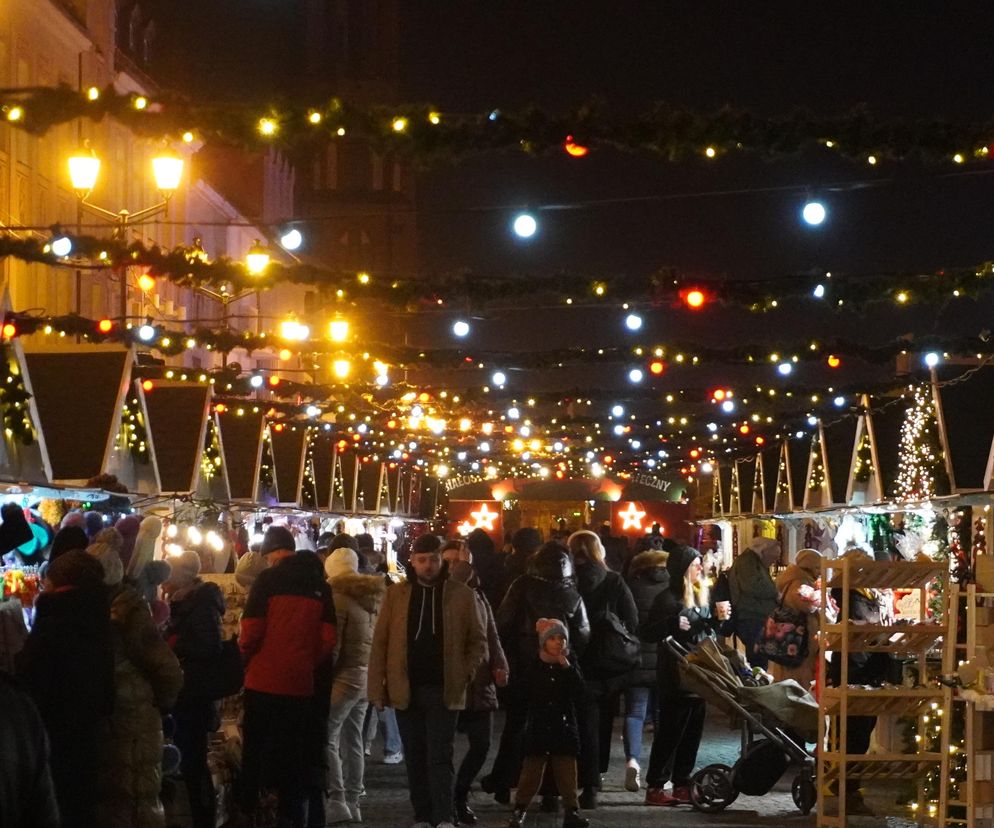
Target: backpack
612,650
722,591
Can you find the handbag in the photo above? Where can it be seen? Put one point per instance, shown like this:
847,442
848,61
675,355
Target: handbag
784,639
612,650
228,674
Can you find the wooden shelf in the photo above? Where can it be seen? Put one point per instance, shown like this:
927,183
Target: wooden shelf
880,701
885,574
882,638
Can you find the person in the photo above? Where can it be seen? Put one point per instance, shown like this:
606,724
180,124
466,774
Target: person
429,641
145,574
524,543
369,557
287,633
551,732
27,795
615,548
681,611
754,595
357,600
487,565
476,721
547,590
800,586
67,666
603,591
647,578
147,681
194,633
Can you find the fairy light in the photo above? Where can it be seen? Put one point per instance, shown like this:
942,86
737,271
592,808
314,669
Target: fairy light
920,455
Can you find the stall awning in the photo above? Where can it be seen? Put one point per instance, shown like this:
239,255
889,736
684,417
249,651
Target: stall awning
322,454
176,414
78,397
241,441
289,444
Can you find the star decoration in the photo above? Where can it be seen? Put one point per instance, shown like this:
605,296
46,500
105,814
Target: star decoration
632,518
465,528
484,518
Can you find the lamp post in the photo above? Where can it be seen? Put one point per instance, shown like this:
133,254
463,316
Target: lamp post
84,168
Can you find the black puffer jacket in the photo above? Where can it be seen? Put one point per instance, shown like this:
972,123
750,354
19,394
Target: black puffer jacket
194,633
605,591
664,621
647,577
546,591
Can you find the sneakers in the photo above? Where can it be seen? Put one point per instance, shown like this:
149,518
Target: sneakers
356,813
464,814
632,781
681,793
393,758
657,796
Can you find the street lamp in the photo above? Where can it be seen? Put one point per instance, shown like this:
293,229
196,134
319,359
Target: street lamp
84,169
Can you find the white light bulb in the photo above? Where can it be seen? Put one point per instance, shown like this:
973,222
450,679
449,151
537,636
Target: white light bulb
818,292
812,421
62,246
292,239
814,213
256,381
785,368
382,379
932,359
313,411
617,411
633,321
460,328
619,429
839,402
707,468
635,375
484,446
146,333
513,413
728,406
499,378
525,226
712,427
557,446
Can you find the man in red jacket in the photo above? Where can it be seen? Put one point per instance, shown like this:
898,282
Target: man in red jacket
287,634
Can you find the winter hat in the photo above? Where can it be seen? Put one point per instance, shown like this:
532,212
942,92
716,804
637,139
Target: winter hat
143,549
547,627
343,561
768,549
277,538
128,527
679,561
74,518
14,531
344,540
94,522
76,569
106,548
809,560
426,543
365,541
187,562
67,539
480,543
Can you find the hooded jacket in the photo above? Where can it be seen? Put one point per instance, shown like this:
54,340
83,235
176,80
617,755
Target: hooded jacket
464,646
357,604
194,633
483,693
647,577
754,595
664,621
546,591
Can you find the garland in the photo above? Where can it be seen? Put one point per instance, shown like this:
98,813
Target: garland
421,133
14,401
189,267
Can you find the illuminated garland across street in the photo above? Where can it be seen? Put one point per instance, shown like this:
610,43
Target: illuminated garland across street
422,133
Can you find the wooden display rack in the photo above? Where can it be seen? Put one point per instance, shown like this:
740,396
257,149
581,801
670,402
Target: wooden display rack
835,765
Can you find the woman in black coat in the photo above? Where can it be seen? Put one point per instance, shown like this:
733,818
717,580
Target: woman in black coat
67,665
194,633
602,591
683,612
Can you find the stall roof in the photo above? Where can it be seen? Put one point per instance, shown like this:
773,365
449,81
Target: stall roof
241,440
968,408
289,446
840,437
176,414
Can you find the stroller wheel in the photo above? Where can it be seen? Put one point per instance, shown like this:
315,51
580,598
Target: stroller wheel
804,793
711,788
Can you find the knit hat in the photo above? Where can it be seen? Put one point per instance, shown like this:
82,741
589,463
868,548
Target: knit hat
75,568
426,543
106,548
547,627
277,538
679,561
128,527
768,549
74,518
343,561
809,560
188,562
143,549
94,523
66,539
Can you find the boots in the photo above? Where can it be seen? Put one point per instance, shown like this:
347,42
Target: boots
517,819
464,814
572,819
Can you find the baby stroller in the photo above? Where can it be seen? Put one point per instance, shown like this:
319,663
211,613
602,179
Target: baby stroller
776,721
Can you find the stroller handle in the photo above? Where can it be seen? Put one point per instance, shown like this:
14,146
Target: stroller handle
676,648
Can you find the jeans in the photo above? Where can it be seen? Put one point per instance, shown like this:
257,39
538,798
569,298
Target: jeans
748,630
478,726
346,762
384,720
532,770
675,743
595,716
195,720
428,730
640,703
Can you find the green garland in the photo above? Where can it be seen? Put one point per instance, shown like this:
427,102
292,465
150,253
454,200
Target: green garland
420,133
133,430
14,401
189,267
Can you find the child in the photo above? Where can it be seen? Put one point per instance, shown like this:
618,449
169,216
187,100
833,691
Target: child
551,734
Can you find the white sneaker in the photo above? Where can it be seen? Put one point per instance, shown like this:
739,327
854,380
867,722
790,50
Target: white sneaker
394,759
337,812
632,781
356,813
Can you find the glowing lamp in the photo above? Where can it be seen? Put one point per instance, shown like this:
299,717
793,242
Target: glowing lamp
744,428
633,321
61,246
931,359
833,361
460,328
573,148
341,367
267,126
9,330
84,167
814,213
760,440
695,299
105,326
146,333
524,225
256,381
147,385
294,331
167,168
146,282
257,258
220,408
656,367
292,239
274,380
338,330
499,378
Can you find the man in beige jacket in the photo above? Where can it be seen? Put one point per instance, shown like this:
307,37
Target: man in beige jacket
429,641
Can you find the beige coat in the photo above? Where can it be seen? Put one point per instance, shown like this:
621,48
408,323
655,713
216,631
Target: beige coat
788,584
357,601
465,646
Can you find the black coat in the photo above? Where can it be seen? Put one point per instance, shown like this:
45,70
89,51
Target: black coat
603,590
664,621
194,633
547,591
553,691
645,583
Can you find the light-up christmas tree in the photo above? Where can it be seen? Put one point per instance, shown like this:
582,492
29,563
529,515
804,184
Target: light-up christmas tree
921,468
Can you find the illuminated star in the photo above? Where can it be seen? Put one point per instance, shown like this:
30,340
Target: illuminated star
632,518
465,528
484,518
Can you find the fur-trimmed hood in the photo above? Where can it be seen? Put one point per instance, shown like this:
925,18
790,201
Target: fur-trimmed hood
366,590
650,559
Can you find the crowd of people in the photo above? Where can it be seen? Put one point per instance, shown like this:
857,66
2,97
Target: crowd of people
562,636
